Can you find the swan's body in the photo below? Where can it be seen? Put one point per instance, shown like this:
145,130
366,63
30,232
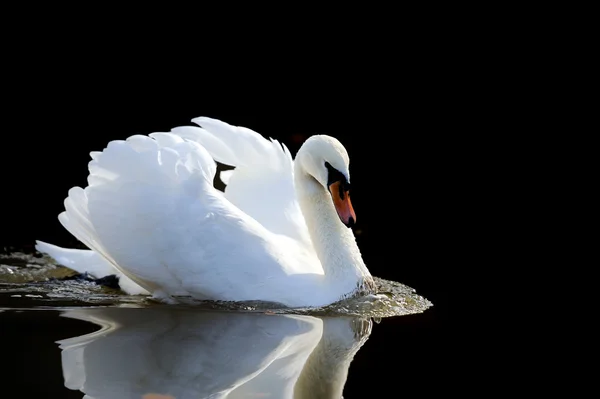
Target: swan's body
151,215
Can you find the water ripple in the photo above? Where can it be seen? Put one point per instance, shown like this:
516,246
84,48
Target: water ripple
27,281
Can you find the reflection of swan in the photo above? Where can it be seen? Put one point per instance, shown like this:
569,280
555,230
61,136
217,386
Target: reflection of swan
279,233
191,354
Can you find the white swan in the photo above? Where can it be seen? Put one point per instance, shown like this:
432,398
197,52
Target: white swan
188,354
279,233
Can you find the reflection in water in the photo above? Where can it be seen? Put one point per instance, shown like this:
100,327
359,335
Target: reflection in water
181,353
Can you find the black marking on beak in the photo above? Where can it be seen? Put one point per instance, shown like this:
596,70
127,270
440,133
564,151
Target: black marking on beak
334,175
338,187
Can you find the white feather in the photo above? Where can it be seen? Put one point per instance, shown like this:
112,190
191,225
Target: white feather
91,262
151,212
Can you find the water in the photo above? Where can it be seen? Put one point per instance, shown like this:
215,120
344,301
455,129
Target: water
109,345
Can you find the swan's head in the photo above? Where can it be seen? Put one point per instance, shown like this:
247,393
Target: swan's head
326,160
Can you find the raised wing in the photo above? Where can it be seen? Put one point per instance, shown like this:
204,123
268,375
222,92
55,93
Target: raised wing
262,183
151,210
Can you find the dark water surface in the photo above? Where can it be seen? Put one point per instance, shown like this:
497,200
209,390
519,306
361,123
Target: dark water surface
65,337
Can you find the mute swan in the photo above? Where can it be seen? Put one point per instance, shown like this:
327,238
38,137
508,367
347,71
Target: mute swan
279,233
187,354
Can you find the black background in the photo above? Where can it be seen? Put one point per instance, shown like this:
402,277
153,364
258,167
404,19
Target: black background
414,114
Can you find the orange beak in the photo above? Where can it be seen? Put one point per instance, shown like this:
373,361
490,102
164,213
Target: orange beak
343,206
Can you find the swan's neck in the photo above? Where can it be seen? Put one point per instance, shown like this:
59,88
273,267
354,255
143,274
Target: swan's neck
334,243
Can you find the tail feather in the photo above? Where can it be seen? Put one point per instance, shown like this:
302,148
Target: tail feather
86,261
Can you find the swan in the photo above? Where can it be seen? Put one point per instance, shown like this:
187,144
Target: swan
280,232
182,353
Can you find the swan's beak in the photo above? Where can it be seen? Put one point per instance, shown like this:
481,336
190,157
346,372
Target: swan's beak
341,201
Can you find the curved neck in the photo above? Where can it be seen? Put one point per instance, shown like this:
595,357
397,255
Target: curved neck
334,243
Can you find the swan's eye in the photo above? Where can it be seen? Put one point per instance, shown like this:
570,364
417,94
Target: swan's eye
333,176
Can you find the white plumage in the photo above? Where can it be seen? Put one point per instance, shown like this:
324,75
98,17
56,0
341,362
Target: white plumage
151,215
